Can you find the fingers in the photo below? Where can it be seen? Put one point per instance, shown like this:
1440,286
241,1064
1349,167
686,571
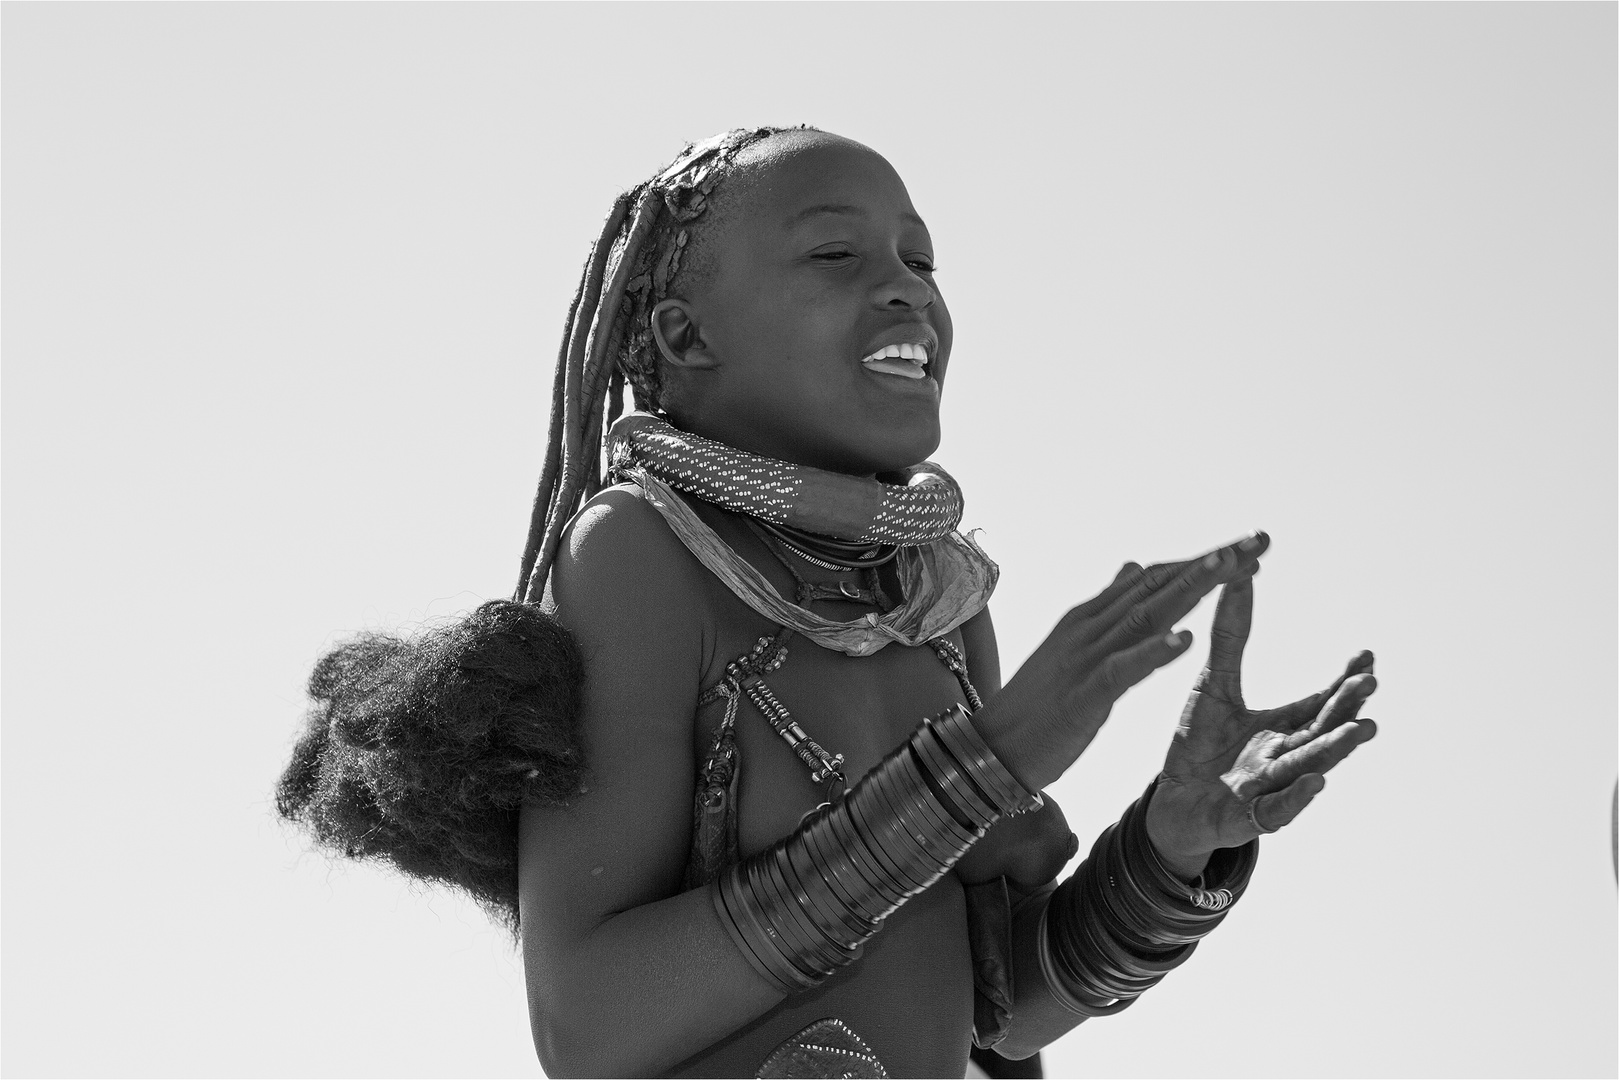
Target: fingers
1165,593
1129,574
1233,618
1270,812
1339,709
1312,710
1323,754
1359,664
1153,580
1122,670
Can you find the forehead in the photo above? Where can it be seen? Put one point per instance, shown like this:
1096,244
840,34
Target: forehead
795,179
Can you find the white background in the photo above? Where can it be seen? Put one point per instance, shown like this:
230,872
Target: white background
282,286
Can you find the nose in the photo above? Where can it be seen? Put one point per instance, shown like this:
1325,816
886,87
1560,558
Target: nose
903,288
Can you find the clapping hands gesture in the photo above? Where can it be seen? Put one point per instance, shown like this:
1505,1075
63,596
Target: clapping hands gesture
1234,772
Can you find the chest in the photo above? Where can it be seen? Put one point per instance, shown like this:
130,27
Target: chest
857,707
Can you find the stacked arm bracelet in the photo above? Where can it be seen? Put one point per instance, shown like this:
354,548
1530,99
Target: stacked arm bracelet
802,909
1123,921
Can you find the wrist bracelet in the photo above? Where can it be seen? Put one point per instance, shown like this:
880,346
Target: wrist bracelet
989,777
966,801
1123,920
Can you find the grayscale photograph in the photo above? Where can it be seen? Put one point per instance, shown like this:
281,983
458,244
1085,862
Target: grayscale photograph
498,582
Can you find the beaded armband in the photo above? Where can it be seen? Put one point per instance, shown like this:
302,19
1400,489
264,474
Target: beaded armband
803,908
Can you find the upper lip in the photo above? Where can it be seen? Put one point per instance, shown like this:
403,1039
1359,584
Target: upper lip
906,334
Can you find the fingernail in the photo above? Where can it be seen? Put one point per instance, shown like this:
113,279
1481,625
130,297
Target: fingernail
1211,560
1178,638
1252,543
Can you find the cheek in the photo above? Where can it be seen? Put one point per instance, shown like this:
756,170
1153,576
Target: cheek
809,341
947,339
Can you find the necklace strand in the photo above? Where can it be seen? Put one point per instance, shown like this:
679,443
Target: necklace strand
827,560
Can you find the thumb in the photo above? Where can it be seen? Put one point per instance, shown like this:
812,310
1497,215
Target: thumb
1270,812
1233,618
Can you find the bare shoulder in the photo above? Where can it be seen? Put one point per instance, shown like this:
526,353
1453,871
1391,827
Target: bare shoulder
619,560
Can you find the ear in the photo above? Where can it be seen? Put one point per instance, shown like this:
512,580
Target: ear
674,325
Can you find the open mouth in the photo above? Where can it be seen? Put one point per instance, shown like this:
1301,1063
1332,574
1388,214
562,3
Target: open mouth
905,360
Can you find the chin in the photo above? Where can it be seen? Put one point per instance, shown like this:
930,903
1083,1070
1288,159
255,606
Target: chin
898,450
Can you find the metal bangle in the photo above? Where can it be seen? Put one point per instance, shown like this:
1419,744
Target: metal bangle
972,753
882,836
1215,893
717,894
836,860
969,802
907,797
944,824
761,947
889,835
930,846
1061,979
766,908
833,918
959,835
875,874
835,914
802,943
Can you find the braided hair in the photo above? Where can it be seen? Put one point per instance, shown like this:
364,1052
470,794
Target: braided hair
419,752
608,340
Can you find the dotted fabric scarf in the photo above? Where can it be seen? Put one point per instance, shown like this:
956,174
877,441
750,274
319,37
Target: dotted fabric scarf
927,507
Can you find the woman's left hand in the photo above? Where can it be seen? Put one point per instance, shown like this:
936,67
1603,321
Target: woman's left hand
1233,772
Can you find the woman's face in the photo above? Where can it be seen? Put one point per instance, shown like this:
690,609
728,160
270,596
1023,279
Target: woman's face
817,334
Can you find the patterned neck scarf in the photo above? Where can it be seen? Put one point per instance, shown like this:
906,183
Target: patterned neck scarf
945,576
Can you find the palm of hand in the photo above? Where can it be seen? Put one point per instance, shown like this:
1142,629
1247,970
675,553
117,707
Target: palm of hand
1233,772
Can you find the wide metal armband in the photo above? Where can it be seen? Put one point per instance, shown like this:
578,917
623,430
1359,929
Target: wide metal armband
802,908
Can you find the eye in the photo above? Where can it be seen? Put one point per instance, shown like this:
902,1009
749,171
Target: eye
832,256
921,264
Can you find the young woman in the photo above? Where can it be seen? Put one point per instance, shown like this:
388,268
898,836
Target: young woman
740,851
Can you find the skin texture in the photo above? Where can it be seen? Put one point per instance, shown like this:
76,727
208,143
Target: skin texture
627,974
1225,755
820,258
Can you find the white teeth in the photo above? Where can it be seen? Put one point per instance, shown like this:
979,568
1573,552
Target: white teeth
916,354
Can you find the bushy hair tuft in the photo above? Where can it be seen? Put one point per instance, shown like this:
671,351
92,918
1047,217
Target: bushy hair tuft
419,751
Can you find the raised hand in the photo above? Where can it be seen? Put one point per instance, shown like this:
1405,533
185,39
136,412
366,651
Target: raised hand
1051,709
1233,772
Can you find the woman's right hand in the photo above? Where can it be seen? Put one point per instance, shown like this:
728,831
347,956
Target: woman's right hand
1049,712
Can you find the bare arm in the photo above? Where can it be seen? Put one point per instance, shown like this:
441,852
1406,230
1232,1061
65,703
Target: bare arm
627,975
1030,852
1029,849
1231,772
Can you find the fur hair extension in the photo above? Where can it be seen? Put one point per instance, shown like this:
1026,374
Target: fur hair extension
419,752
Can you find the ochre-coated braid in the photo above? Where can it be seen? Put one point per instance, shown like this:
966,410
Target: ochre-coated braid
607,345
564,390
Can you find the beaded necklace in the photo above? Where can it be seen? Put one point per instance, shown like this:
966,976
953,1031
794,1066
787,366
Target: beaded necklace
924,508
830,518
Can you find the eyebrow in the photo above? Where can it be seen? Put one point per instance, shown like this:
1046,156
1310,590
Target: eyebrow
844,208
